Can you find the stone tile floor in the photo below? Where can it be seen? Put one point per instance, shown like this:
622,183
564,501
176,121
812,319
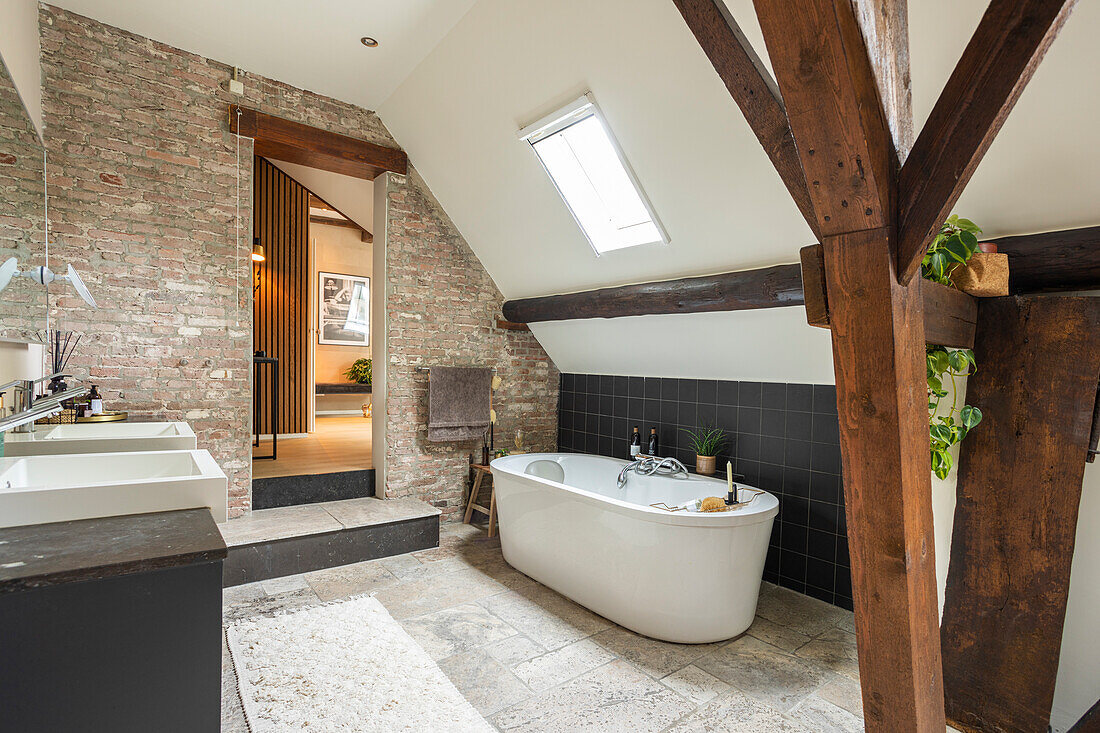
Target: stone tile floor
531,660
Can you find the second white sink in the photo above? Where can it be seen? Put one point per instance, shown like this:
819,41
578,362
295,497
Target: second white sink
39,489
109,437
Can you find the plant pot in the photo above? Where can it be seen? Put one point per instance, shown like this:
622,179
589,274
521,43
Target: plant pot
704,465
984,276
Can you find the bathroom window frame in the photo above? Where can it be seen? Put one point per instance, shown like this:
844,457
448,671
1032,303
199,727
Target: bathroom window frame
577,111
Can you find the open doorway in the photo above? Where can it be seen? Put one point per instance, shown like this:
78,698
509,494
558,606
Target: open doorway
313,269
348,177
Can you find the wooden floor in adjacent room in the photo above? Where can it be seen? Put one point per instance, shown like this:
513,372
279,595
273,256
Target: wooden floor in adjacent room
340,443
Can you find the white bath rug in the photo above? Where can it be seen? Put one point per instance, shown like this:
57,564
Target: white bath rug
345,666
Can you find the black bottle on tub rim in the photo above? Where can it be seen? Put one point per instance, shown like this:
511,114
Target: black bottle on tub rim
635,443
652,441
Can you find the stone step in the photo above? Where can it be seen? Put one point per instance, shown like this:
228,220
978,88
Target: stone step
272,543
283,491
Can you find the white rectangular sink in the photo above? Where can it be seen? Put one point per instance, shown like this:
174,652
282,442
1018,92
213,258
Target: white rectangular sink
40,489
107,437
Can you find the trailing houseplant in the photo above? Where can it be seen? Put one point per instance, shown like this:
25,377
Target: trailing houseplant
956,243
359,371
707,443
944,366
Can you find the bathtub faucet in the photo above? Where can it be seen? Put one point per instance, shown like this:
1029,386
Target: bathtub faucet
649,465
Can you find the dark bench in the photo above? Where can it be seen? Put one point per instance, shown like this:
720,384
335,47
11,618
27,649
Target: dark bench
342,388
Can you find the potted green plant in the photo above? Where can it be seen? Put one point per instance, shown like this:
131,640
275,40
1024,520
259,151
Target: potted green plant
955,244
956,259
707,444
946,365
951,250
359,371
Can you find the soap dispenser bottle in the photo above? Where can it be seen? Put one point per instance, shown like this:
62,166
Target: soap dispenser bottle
95,401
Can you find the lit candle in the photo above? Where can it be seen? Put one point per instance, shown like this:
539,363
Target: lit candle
731,498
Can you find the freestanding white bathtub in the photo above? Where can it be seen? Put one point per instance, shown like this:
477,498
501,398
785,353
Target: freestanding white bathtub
683,577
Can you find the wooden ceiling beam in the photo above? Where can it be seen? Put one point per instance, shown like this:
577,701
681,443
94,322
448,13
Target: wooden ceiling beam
295,142
829,85
1052,261
1004,52
751,85
949,315
768,287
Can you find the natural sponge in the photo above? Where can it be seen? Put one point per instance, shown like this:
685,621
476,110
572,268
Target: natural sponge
712,504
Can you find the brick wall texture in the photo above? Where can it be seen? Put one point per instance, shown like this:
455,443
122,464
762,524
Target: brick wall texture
143,178
442,309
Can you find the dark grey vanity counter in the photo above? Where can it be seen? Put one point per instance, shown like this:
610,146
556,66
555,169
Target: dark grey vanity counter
40,555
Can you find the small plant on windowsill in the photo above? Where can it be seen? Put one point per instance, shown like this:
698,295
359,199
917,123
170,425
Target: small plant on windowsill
953,246
359,372
707,443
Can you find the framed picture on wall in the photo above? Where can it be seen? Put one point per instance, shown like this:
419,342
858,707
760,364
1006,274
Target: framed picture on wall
343,313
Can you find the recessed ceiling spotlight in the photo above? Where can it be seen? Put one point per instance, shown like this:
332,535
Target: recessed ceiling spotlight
368,41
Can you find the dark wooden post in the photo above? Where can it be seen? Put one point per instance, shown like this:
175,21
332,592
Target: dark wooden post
878,347
847,99
842,70
1019,488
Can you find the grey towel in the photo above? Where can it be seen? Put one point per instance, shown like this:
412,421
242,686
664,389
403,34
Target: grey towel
458,403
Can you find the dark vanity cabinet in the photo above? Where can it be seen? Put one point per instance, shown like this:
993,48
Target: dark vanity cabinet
112,624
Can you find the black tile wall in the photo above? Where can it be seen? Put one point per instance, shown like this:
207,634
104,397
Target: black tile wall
783,438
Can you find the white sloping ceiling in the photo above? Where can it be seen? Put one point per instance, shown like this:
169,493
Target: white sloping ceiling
311,45
354,197
507,63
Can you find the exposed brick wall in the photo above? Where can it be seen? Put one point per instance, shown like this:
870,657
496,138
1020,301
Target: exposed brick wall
442,309
143,182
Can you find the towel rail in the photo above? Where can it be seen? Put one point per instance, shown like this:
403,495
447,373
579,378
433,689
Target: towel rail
428,369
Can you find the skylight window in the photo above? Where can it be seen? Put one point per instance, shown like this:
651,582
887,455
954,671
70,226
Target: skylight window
588,168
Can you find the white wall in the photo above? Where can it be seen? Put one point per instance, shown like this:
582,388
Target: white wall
1079,668
769,345
354,197
20,51
379,325
339,250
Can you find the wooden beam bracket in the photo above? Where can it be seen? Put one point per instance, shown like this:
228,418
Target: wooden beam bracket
813,285
950,315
